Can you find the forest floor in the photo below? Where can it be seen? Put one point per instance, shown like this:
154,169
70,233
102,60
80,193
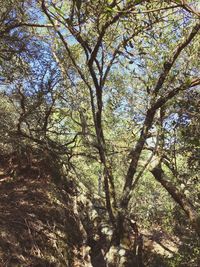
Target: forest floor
34,219
160,242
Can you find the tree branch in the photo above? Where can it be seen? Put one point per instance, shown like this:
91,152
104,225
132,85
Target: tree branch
178,197
169,63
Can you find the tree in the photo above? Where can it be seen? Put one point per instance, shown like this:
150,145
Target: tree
110,46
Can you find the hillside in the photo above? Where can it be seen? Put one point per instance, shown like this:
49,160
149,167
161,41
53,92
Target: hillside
38,225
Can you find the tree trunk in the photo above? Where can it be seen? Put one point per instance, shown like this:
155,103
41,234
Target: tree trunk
126,246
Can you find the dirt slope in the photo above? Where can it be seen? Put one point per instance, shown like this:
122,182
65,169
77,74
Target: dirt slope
37,224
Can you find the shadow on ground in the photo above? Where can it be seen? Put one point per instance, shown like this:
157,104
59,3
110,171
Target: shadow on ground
37,224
